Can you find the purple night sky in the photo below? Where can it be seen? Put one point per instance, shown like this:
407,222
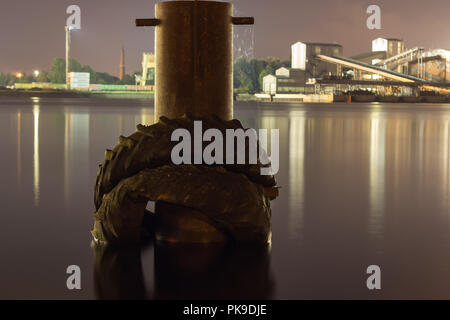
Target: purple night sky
32,32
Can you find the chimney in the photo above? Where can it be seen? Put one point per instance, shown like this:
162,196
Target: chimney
122,64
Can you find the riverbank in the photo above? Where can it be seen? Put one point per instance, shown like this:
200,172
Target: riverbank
313,98
349,98
76,94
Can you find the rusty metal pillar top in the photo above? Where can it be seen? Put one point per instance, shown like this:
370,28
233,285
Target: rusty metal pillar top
194,57
153,22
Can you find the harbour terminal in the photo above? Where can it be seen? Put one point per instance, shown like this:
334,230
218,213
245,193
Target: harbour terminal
320,72
317,72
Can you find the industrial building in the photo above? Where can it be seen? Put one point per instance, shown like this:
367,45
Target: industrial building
304,57
122,72
389,69
304,66
382,49
390,46
148,69
285,80
431,65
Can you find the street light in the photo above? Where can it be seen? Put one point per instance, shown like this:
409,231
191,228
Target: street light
19,75
36,73
68,29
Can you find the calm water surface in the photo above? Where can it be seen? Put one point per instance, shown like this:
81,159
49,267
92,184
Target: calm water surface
361,184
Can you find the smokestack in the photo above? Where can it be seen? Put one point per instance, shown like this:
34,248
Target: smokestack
122,64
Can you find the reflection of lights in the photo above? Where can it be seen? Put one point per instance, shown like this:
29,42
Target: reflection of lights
121,124
377,172
36,154
147,117
445,164
297,138
19,148
76,151
67,149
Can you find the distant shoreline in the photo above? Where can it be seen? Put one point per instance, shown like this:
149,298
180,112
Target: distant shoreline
150,95
75,94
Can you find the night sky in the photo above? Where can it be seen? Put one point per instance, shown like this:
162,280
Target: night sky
32,31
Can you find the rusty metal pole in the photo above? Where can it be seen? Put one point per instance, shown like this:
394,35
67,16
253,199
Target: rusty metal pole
194,57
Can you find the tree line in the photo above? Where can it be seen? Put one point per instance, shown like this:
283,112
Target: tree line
249,74
57,74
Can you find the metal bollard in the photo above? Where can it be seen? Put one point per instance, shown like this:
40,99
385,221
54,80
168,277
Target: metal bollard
194,57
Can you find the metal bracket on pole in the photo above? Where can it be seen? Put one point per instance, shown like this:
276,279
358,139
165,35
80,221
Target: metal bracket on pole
147,22
242,20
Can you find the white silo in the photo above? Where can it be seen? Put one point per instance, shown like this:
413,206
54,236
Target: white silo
298,59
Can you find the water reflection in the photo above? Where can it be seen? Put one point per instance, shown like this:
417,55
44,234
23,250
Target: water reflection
297,139
77,140
19,147
444,159
67,147
360,185
184,271
65,143
121,125
118,272
147,117
377,172
36,190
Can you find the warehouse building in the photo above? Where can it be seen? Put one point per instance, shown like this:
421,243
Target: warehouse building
391,46
304,57
286,80
304,67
